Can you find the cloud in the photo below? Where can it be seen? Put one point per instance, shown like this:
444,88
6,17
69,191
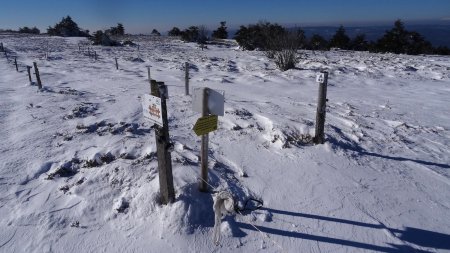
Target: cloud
446,19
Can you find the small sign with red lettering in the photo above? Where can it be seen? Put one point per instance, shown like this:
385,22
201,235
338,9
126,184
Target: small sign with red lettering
151,107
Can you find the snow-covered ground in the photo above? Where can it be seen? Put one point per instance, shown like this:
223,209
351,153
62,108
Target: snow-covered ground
78,171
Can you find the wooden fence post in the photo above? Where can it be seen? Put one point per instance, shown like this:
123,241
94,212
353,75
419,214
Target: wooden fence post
148,73
321,110
79,48
204,148
89,52
29,74
15,63
163,145
117,64
186,77
38,78
95,55
1,47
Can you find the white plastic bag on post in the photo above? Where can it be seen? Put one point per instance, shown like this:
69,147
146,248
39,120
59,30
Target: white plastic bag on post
223,204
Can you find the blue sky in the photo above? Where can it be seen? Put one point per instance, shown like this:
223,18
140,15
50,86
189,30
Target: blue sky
141,16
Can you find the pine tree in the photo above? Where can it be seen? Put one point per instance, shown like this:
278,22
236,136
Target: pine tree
340,39
359,43
221,32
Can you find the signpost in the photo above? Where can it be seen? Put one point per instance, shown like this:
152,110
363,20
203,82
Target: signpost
322,79
155,109
206,101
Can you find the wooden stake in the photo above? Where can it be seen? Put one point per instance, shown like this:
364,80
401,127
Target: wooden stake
1,46
29,74
117,64
89,52
15,63
95,55
321,110
205,138
163,145
186,78
148,73
38,78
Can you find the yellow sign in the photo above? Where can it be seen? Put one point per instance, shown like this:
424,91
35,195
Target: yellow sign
205,125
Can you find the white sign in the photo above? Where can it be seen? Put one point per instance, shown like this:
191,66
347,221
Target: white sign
151,107
216,101
320,78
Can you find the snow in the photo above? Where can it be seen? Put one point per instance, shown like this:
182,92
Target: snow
78,169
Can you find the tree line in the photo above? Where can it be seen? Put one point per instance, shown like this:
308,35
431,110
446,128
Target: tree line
398,40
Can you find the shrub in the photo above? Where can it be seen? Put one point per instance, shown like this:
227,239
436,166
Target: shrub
191,34
286,57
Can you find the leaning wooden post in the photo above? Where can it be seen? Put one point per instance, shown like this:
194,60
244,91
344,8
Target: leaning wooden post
117,64
38,78
162,137
15,63
205,139
29,74
186,78
322,79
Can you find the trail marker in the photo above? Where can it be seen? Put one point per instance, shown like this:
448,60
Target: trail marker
322,79
206,101
151,106
163,145
205,125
